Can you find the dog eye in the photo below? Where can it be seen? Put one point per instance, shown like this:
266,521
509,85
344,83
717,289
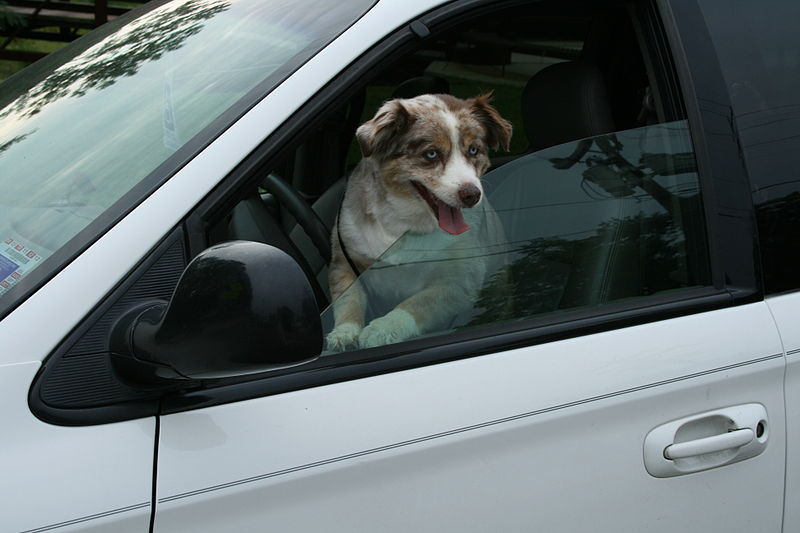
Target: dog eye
472,150
431,154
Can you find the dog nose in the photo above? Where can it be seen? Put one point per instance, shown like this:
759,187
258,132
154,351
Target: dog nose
469,195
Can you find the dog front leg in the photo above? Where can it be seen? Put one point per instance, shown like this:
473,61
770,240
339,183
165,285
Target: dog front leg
426,311
349,302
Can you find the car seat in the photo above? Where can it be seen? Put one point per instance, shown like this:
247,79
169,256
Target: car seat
565,102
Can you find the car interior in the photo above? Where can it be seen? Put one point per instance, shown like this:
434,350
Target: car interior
562,73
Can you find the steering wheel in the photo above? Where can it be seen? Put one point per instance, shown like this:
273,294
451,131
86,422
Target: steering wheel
299,208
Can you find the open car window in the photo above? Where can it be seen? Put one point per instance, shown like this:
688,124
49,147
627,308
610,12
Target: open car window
582,224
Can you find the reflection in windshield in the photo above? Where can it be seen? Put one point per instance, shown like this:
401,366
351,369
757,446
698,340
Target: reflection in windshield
586,223
145,39
8,144
92,129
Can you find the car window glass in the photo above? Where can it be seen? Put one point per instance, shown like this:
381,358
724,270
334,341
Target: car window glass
582,224
759,53
96,126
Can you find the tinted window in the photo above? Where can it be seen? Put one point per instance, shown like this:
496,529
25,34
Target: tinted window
758,46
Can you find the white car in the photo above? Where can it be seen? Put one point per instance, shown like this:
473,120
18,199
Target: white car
168,185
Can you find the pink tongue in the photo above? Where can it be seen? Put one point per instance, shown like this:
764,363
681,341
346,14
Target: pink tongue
450,218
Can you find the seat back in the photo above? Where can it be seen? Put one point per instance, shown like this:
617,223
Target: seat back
565,102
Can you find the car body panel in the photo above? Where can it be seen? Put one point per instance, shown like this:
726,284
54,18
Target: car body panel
503,434
70,478
786,309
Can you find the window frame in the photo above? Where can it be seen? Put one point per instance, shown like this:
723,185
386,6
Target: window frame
725,254
724,179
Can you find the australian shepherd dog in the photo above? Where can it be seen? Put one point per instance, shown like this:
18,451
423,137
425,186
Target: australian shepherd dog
420,174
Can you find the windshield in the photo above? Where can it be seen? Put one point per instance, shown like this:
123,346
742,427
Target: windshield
121,111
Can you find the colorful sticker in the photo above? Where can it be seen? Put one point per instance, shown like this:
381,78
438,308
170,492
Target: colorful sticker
7,267
16,260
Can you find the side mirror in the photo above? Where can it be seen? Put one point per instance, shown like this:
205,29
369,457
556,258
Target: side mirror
239,308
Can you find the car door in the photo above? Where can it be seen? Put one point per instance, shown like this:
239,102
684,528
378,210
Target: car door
549,437
649,396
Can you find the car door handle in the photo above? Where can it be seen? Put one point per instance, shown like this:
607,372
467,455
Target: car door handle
713,444
706,440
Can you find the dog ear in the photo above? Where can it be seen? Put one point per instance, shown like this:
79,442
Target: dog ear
498,129
377,135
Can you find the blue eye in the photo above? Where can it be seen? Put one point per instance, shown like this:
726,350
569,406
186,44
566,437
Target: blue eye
472,150
431,154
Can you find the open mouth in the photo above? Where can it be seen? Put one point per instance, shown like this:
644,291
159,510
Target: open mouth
450,218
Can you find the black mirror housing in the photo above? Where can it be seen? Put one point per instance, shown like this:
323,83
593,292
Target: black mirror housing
239,308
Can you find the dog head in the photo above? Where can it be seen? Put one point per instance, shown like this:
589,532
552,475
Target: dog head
432,151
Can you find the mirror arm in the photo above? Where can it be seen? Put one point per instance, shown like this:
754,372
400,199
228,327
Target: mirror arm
126,360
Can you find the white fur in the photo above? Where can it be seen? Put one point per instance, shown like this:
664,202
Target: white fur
458,173
397,325
342,336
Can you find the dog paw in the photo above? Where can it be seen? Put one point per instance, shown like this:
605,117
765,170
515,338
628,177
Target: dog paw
343,336
395,326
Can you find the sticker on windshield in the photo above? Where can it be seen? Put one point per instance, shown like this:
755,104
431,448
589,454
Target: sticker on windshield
16,260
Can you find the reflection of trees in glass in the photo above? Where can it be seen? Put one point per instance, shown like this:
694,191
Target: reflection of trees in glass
19,138
549,274
121,54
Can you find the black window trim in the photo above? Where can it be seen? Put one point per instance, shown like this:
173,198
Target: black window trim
724,180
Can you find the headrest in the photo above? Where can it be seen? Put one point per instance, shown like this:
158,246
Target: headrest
565,102
421,85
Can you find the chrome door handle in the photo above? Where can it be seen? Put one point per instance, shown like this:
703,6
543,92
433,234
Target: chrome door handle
706,440
713,444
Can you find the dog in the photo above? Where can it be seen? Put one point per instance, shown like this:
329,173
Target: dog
417,187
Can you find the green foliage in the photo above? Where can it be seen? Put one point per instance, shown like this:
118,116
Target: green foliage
8,19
